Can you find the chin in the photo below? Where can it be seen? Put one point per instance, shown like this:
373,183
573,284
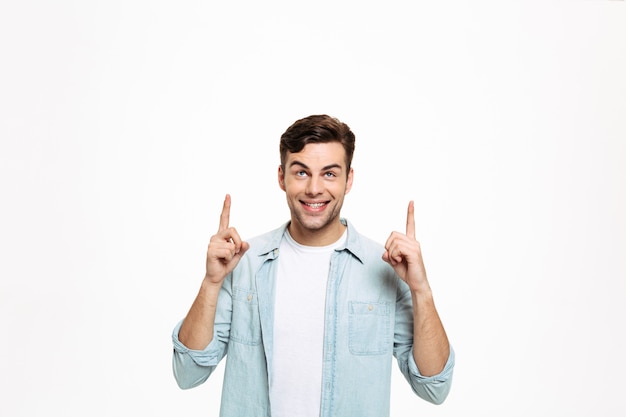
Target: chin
311,223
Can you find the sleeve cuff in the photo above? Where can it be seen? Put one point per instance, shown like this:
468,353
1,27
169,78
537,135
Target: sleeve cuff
209,356
442,376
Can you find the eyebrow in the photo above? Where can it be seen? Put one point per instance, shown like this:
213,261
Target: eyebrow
326,168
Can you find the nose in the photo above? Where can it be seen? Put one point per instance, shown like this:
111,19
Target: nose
314,186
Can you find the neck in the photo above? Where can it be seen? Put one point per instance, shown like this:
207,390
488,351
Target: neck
321,237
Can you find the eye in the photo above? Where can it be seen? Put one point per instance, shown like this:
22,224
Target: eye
330,174
300,173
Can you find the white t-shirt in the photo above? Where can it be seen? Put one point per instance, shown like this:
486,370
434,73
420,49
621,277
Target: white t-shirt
296,374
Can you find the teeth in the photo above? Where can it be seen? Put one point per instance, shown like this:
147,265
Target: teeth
315,205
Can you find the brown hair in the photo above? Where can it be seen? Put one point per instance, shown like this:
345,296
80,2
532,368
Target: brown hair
316,129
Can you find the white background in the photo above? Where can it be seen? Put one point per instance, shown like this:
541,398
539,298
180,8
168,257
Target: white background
124,123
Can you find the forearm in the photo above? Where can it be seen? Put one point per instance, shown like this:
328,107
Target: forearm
431,348
196,331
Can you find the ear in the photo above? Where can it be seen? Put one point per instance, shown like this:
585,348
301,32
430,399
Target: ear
349,181
281,178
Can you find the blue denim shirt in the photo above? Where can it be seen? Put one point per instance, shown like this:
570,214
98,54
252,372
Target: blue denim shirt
368,319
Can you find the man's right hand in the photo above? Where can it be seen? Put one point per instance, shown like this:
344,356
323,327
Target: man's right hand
225,249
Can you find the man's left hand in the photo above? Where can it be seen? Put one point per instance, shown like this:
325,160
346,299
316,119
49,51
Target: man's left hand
404,254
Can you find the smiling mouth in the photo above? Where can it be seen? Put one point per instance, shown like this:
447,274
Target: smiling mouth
315,205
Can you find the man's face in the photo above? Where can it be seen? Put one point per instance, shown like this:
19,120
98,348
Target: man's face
315,181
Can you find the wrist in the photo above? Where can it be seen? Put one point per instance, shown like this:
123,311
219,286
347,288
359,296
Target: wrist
422,291
210,288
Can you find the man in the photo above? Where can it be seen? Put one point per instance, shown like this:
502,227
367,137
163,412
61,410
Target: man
310,314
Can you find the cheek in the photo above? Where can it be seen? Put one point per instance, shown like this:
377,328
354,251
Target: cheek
339,190
290,188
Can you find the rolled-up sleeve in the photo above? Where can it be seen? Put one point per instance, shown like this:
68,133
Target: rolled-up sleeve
434,388
192,367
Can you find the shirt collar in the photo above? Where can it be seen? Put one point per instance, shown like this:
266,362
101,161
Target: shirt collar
352,243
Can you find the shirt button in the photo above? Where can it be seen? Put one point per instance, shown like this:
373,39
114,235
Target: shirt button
370,307
249,297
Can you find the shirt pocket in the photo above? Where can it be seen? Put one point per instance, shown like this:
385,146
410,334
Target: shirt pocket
369,327
246,325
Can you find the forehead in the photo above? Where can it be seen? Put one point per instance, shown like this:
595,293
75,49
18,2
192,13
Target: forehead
318,155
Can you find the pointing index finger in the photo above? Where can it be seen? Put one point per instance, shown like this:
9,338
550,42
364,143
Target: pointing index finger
225,216
410,220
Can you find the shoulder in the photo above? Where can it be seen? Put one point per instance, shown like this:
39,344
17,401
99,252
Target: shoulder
266,242
370,266
367,250
361,245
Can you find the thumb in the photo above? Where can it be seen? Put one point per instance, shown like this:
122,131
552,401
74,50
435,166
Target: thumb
244,247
